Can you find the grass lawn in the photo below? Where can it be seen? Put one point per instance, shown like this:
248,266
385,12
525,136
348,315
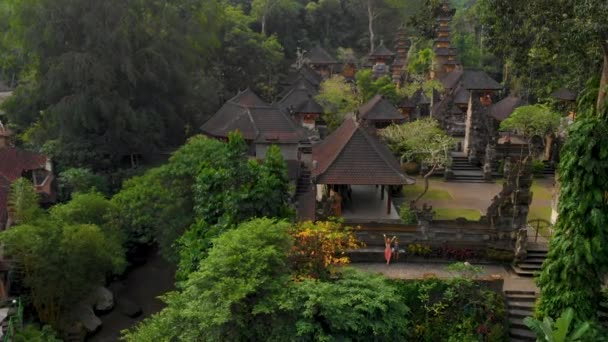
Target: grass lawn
411,191
539,213
540,192
454,213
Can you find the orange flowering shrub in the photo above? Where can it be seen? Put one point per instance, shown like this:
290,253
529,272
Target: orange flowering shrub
319,246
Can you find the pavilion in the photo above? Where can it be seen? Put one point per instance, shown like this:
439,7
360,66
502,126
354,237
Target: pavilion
379,113
350,164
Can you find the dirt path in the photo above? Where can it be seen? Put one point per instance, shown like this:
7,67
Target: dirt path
143,285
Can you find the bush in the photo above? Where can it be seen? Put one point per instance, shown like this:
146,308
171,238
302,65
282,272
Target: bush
411,168
457,309
500,255
418,249
538,167
407,215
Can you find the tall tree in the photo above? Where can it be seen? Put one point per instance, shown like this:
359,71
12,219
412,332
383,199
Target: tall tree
23,204
263,9
423,141
112,78
548,40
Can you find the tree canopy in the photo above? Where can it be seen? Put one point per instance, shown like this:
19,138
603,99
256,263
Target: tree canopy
244,290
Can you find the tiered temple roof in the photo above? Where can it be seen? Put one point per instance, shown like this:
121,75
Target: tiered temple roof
470,80
259,122
318,56
505,107
381,52
351,155
295,96
379,109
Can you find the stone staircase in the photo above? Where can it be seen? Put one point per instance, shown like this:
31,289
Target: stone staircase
549,169
463,171
520,304
303,185
532,264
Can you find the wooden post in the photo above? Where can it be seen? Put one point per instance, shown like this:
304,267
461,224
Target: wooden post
388,200
382,193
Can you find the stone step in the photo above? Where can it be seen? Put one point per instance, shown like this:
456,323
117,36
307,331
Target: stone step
534,260
453,180
519,313
523,273
522,334
523,306
529,266
517,323
520,298
520,292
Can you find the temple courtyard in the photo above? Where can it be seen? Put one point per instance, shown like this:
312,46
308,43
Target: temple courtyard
451,200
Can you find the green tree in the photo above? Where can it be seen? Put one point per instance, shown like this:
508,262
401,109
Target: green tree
263,9
245,290
120,79
553,43
61,263
574,271
421,59
531,121
247,57
158,206
84,208
33,333
229,194
23,206
80,180
423,141
560,330
337,98
368,87
357,306
233,295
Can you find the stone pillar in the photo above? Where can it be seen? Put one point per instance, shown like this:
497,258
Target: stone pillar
468,121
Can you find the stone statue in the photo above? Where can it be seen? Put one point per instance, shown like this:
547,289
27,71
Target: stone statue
521,244
300,58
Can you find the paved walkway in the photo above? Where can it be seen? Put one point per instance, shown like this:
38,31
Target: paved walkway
366,204
402,270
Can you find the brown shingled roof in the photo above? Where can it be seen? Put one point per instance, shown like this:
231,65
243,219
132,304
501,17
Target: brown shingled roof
255,123
420,98
444,52
470,80
461,96
564,95
503,108
379,109
382,51
407,103
351,155
248,98
318,55
296,96
310,106
13,163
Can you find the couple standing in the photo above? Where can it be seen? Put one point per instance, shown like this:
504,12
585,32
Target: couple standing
389,250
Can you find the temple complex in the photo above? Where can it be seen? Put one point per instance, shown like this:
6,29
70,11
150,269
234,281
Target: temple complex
445,55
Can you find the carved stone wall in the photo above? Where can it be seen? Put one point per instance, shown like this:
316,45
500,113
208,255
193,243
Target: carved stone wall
509,209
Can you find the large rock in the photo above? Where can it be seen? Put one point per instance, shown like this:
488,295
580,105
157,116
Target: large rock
84,314
128,307
101,299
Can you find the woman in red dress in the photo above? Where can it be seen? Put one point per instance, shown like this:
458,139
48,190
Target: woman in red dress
387,248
